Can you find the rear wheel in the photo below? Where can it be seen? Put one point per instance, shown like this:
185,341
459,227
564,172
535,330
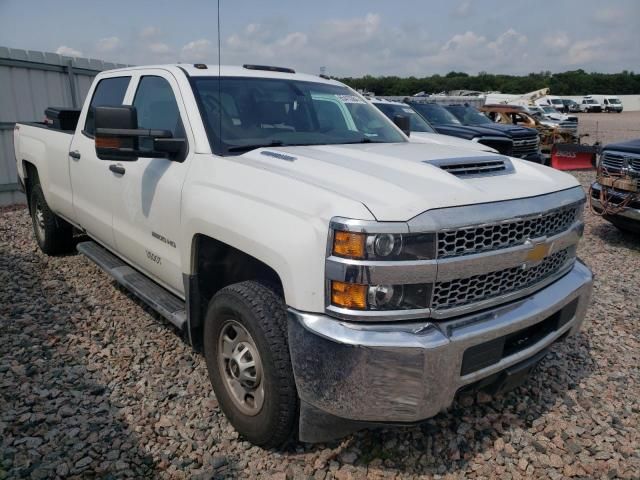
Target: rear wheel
245,346
53,234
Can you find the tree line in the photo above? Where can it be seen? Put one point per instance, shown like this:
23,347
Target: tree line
575,82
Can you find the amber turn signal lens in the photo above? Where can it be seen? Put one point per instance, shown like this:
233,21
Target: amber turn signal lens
349,244
349,295
107,142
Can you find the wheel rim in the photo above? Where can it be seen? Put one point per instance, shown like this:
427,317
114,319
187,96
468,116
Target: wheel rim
38,217
241,368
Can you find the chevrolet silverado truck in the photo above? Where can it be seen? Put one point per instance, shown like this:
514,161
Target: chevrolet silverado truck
616,192
335,275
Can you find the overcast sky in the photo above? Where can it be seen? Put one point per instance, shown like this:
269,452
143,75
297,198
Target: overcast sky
347,37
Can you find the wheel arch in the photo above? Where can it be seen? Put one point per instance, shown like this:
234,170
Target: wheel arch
215,265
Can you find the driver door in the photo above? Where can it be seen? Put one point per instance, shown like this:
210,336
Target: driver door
146,218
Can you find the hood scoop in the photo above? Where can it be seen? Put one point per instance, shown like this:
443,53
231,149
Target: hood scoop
469,167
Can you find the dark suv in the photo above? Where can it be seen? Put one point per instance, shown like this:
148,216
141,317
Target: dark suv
446,123
526,142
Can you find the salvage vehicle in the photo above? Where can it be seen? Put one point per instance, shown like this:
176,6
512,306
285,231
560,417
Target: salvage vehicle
590,105
335,275
551,133
526,142
562,119
616,192
419,129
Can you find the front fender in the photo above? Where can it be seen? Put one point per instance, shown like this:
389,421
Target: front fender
275,219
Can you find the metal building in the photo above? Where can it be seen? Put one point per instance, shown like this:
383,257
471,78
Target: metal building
31,81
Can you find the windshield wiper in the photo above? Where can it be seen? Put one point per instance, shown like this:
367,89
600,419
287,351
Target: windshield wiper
247,148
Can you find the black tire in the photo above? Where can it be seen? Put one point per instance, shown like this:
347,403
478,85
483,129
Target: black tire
53,234
262,313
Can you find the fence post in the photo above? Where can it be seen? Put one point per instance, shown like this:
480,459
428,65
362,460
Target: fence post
72,84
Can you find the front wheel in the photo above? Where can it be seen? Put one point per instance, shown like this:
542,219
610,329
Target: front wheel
247,355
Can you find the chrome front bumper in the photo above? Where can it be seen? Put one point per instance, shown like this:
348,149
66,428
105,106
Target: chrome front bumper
406,372
629,212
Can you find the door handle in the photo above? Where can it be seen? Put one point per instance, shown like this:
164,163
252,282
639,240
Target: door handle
119,169
75,154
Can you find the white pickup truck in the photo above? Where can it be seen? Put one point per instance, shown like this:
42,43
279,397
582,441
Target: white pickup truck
334,274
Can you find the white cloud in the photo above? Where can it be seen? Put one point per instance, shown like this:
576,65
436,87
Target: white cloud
149,32
587,51
557,42
464,41
68,51
609,16
108,45
159,48
199,51
462,10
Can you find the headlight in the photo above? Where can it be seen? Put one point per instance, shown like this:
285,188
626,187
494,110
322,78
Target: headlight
383,246
380,297
370,269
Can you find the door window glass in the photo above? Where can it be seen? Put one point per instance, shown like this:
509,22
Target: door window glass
108,93
156,106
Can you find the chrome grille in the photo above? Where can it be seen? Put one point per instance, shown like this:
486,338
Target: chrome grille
616,162
474,289
525,146
481,238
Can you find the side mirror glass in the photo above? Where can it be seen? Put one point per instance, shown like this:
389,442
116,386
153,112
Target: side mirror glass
403,122
119,138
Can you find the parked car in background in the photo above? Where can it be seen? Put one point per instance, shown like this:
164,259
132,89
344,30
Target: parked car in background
446,123
420,130
526,142
334,274
570,106
590,105
616,192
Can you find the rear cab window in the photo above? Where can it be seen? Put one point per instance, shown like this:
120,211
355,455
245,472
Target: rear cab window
108,93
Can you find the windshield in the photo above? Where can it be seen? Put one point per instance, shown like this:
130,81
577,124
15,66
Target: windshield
556,101
549,110
614,101
590,102
241,114
435,114
418,124
468,115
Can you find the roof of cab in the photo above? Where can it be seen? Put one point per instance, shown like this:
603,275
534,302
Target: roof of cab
211,70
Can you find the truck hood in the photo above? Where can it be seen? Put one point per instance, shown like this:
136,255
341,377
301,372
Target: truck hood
396,182
513,131
631,146
469,132
439,139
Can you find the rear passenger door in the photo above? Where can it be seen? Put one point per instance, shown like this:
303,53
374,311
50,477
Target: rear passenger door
93,184
146,218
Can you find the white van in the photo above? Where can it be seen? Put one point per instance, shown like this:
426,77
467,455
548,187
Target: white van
609,103
551,100
590,104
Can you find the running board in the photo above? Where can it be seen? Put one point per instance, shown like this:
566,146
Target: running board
157,297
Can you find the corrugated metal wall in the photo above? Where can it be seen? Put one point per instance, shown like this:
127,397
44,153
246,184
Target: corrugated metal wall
30,82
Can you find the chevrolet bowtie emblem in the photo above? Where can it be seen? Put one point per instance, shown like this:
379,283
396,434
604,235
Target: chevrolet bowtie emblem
539,252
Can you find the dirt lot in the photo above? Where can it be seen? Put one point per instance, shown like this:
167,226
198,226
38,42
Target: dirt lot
609,127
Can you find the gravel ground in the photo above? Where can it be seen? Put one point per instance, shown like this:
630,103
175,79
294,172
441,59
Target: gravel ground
609,127
92,384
